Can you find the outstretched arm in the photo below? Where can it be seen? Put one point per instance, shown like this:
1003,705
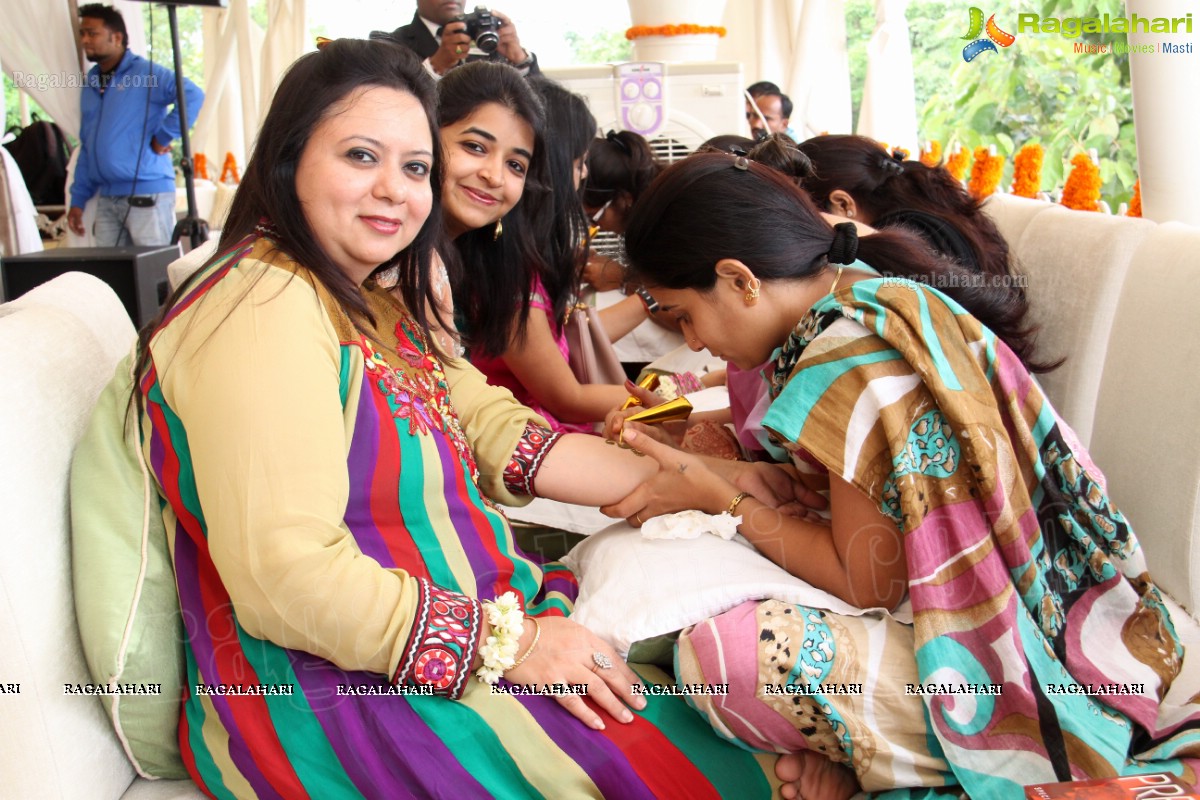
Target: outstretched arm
859,558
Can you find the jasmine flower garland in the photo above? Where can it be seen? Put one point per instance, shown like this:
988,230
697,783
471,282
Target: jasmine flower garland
499,651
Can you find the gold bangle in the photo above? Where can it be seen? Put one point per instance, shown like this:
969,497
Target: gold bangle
537,634
735,502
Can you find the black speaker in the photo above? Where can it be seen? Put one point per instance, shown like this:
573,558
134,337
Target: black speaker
137,274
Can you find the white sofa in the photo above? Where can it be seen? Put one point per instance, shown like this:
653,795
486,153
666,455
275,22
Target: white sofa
59,345
1117,296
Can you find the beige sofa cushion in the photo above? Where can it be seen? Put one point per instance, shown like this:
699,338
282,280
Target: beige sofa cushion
1147,424
1013,214
1076,263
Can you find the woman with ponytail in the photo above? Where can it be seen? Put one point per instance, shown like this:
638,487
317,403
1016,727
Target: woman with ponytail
969,540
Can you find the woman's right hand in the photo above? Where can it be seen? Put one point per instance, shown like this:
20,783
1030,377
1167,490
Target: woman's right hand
565,654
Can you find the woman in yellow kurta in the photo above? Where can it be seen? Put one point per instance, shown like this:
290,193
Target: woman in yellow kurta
329,480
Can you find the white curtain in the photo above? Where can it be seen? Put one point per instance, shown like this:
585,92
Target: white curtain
241,67
801,46
889,105
229,118
37,43
286,39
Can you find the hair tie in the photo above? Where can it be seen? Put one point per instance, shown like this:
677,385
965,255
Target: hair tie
619,142
844,247
889,167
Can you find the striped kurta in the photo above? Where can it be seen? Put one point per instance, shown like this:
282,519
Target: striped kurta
329,502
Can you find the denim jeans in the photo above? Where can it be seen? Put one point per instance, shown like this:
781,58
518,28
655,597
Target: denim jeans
119,224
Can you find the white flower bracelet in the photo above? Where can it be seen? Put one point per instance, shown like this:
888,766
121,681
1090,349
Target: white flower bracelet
499,651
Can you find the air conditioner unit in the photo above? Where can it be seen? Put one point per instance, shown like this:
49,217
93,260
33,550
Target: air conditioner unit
675,105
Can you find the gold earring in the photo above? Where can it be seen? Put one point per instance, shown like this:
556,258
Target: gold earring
751,294
499,229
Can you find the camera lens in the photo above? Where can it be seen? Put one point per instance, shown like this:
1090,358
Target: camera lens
487,41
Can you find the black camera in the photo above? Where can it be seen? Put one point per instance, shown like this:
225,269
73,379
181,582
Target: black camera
483,28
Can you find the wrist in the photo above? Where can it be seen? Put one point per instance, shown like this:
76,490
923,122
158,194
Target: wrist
505,620
647,300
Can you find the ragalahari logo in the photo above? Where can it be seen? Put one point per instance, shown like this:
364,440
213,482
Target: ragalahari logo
995,36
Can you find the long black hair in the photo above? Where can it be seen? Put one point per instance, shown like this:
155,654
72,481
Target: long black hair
313,87
570,127
883,185
491,289
705,208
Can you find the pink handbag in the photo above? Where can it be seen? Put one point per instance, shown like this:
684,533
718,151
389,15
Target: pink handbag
592,357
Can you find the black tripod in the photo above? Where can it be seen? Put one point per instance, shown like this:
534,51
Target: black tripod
191,226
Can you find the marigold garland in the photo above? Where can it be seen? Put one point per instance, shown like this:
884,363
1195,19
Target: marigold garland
933,155
230,169
1135,200
985,173
1082,189
1027,171
200,167
956,164
638,31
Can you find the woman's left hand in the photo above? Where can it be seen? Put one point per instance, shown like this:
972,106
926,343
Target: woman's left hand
570,653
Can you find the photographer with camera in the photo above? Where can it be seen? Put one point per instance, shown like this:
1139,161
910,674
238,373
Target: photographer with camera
442,34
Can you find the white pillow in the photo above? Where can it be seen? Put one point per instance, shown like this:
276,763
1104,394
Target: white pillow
632,588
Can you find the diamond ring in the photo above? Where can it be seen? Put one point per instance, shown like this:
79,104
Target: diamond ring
602,661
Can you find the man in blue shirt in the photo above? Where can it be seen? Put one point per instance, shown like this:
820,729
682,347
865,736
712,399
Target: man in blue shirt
129,121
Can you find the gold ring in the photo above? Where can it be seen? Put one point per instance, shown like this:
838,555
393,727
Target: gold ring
639,519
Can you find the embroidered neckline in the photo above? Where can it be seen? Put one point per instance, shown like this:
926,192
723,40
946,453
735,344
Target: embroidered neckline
419,391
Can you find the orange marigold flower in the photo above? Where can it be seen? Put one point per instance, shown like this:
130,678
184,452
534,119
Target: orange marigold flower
933,156
956,164
1082,189
1135,202
638,31
1027,171
985,173
200,167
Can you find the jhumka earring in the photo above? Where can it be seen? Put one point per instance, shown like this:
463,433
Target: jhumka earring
499,229
751,294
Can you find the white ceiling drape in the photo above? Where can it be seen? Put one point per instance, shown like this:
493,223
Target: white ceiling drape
889,105
801,46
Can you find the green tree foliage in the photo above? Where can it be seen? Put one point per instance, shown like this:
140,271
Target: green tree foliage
1038,90
12,108
605,47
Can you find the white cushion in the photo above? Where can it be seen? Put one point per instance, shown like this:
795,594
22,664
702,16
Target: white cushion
181,268
632,588
54,364
1076,262
1147,434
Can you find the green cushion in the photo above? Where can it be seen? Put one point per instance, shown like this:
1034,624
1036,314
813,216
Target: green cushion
125,595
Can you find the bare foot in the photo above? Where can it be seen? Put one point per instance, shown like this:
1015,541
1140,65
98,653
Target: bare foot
812,776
